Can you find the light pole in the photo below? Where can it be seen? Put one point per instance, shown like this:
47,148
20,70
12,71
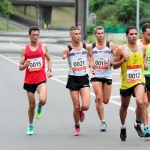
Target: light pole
137,16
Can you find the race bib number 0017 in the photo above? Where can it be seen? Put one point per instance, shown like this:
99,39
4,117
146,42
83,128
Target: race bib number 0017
78,64
99,63
36,64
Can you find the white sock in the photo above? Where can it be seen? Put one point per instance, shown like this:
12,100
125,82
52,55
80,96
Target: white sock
103,120
123,126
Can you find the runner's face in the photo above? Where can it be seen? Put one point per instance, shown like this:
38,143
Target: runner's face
34,36
146,35
100,35
132,36
76,36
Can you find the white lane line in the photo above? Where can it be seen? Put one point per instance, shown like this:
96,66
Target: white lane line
11,42
60,64
112,101
56,46
60,60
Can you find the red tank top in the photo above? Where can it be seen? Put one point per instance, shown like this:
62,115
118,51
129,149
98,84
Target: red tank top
35,72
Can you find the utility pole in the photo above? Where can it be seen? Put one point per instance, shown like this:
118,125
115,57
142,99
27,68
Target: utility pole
80,15
137,16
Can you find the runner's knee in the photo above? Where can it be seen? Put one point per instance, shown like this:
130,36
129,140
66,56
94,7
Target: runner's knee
99,98
85,107
32,106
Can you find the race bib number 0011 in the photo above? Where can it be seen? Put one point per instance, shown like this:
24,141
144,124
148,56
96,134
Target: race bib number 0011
36,64
134,75
78,64
99,63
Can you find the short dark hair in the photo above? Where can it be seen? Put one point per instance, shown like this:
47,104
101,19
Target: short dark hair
98,28
145,26
130,28
33,28
74,28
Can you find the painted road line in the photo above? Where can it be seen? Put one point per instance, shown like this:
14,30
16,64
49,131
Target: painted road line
111,101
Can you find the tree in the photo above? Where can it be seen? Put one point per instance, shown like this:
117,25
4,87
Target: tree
5,8
94,5
126,10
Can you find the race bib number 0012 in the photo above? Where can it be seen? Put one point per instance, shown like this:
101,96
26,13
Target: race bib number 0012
78,64
134,75
36,64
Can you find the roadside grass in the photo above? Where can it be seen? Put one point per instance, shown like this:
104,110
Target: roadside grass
3,26
62,17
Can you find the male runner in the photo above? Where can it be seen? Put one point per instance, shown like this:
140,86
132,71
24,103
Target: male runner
33,61
146,41
78,79
130,58
103,53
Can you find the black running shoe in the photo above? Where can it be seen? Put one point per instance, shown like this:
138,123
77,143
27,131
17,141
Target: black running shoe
123,135
139,131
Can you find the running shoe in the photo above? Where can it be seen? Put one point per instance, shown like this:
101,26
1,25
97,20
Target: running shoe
139,130
103,126
76,132
82,116
30,130
123,135
147,132
38,111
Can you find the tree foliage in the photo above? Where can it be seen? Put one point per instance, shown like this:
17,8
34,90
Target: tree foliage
94,5
5,8
125,10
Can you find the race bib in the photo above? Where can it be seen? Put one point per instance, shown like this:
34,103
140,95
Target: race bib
36,64
134,75
99,63
78,64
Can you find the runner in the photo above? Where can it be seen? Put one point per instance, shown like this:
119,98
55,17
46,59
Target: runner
103,53
33,61
145,41
130,58
78,79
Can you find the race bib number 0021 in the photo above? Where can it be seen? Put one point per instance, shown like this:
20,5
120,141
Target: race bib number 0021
78,64
36,64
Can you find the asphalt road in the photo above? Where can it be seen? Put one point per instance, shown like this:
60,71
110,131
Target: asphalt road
54,130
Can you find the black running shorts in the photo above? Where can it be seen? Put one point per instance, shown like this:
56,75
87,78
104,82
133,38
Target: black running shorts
77,82
103,80
147,79
31,87
130,91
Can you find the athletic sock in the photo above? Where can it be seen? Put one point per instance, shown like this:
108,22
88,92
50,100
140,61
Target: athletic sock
77,126
123,126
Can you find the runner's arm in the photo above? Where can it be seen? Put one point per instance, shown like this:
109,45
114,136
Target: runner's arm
113,52
144,58
119,60
49,62
23,65
90,56
65,53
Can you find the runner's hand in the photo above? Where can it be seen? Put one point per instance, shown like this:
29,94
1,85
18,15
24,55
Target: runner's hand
126,58
107,63
49,74
92,71
145,67
27,63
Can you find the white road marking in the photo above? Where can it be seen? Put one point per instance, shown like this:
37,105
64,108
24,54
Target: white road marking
112,101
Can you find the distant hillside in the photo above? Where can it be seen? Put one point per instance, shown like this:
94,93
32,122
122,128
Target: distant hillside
62,17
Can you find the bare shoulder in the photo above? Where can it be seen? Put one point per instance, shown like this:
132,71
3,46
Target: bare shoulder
23,51
120,50
66,50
